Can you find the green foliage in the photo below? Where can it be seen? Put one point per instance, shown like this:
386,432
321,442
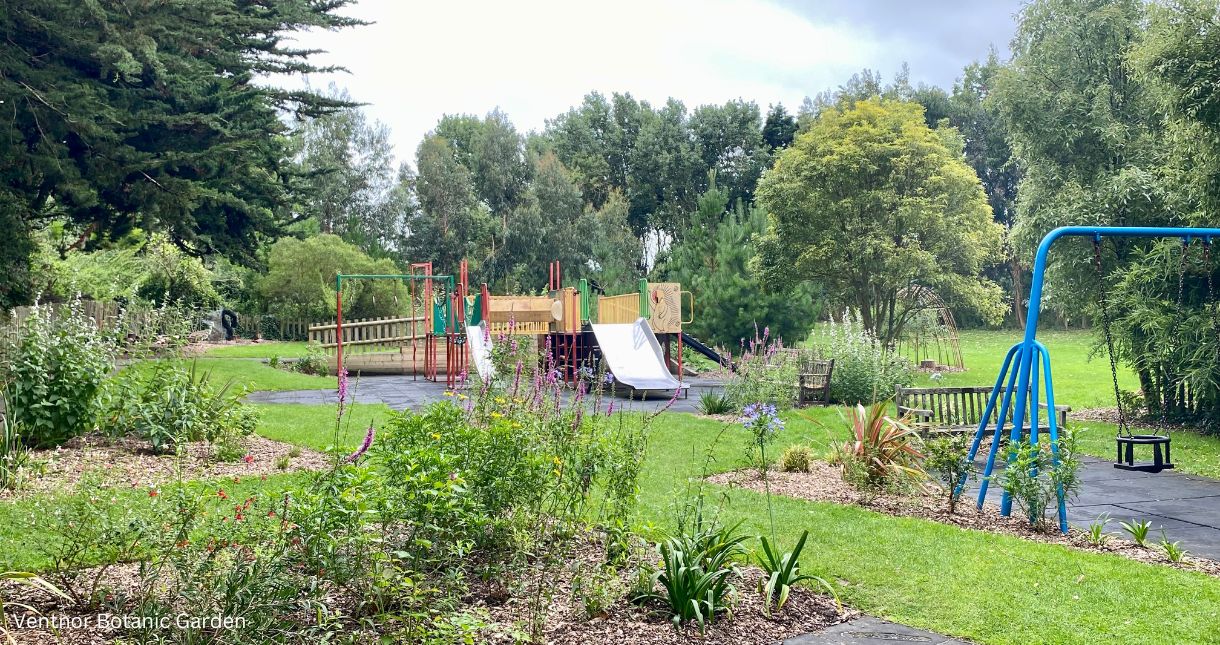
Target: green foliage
917,216
354,191
119,119
784,571
28,579
796,458
866,370
55,368
947,459
1138,530
1097,535
1173,550
713,403
1035,476
695,576
90,536
315,361
732,299
169,404
764,374
300,281
14,456
883,453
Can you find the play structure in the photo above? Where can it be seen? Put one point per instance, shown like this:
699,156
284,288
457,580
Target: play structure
637,337
1025,377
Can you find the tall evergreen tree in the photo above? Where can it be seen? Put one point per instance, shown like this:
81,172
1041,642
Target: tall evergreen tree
126,113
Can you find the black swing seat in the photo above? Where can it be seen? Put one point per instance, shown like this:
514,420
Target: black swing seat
1126,453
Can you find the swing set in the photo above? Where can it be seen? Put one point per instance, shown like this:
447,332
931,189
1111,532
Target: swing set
1026,373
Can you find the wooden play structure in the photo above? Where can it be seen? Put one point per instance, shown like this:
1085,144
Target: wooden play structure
434,335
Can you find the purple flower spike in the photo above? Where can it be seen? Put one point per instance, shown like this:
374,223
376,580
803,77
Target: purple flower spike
364,445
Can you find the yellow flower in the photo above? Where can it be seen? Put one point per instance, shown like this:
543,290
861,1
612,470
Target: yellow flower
518,400
500,400
557,461
448,393
516,424
463,397
496,415
436,437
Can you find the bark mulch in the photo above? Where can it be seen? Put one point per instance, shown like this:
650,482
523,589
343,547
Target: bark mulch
128,462
622,622
824,483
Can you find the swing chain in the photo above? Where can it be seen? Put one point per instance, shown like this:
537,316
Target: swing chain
1211,291
1123,428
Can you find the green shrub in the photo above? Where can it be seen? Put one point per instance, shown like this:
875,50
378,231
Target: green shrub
91,536
883,453
53,373
796,458
315,361
167,403
300,281
1033,479
766,373
865,371
947,459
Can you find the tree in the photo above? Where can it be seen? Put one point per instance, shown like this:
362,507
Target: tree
352,187
729,140
300,281
616,254
450,222
126,114
549,225
733,303
869,202
780,127
973,111
1086,133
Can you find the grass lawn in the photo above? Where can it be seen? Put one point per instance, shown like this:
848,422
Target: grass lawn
254,375
1079,382
313,426
283,349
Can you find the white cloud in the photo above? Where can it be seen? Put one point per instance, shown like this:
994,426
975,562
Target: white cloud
535,60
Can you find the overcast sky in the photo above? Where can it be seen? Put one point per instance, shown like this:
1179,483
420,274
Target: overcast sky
535,59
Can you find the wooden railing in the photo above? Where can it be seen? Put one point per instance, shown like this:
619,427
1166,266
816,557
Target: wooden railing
369,335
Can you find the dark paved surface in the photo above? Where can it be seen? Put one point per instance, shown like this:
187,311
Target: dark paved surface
404,392
1186,507
866,630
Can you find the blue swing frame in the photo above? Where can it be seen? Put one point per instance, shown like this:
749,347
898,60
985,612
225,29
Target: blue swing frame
1029,354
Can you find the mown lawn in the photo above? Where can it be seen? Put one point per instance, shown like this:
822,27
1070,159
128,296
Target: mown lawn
282,349
1080,382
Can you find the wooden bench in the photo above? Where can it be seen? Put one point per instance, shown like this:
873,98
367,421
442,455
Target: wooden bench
813,381
953,410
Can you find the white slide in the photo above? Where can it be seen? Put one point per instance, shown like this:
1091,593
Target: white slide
633,355
479,342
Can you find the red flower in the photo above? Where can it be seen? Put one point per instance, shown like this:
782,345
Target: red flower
239,517
222,494
152,492
249,459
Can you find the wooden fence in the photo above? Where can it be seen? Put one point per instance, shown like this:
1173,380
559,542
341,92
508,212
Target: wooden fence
369,335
